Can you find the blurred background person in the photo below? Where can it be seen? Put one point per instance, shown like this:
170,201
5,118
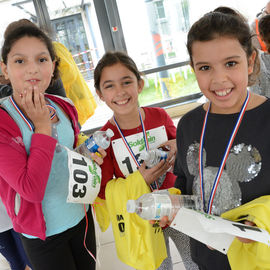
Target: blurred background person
262,85
256,38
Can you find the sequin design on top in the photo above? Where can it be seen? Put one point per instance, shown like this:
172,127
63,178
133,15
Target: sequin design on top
243,164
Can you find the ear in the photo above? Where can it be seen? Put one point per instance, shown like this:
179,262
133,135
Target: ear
100,94
141,85
4,70
53,67
251,62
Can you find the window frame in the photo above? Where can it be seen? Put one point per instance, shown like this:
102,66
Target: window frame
114,40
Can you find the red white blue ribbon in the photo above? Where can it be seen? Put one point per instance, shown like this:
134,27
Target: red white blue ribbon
225,156
28,122
154,185
52,110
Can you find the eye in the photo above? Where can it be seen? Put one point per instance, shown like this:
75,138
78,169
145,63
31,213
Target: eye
43,59
19,61
127,82
107,86
231,64
204,68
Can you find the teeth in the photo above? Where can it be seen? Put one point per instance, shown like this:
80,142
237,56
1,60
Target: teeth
223,93
122,102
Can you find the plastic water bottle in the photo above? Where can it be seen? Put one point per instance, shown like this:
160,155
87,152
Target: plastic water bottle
98,139
153,157
154,206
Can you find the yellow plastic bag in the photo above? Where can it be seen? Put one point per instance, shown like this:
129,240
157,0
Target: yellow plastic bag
75,85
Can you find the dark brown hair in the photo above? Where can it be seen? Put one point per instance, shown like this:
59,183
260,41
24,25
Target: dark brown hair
218,24
112,58
229,11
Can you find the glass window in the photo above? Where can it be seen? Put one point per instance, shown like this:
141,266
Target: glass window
162,30
71,32
178,83
160,9
157,37
76,27
14,10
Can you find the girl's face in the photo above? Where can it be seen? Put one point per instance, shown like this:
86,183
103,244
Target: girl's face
28,64
119,88
222,68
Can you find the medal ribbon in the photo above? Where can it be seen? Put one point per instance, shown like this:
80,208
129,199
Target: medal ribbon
154,185
225,156
27,121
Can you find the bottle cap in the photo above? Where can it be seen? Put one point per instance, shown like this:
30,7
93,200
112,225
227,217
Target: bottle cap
131,206
162,154
109,132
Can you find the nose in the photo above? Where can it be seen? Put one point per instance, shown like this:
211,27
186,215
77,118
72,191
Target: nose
119,89
32,67
219,75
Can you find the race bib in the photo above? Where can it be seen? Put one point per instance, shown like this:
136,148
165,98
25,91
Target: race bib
127,165
84,178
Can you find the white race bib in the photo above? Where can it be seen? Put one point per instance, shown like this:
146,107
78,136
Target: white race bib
84,178
127,165
215,231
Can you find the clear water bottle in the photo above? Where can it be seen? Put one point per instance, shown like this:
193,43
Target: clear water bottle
153,157
98,139
154,206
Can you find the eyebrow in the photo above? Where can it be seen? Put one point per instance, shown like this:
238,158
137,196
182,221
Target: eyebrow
20,54
226,59
123,78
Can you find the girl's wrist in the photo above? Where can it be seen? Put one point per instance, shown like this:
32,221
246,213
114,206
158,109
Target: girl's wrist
44,130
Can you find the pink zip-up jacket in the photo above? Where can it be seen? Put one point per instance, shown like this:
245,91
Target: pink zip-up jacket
25,174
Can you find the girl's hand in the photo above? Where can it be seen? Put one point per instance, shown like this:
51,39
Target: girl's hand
246,240
241,239
164,221
152,174
172,148
34,105
99,156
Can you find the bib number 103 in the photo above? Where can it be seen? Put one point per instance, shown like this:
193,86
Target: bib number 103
84,179
80,176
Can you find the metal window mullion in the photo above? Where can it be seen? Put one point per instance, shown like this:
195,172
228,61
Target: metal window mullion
166,67
104,25
43,16
115,25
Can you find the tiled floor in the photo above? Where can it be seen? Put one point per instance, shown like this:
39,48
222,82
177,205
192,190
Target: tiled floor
3,263
107,258
107,254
